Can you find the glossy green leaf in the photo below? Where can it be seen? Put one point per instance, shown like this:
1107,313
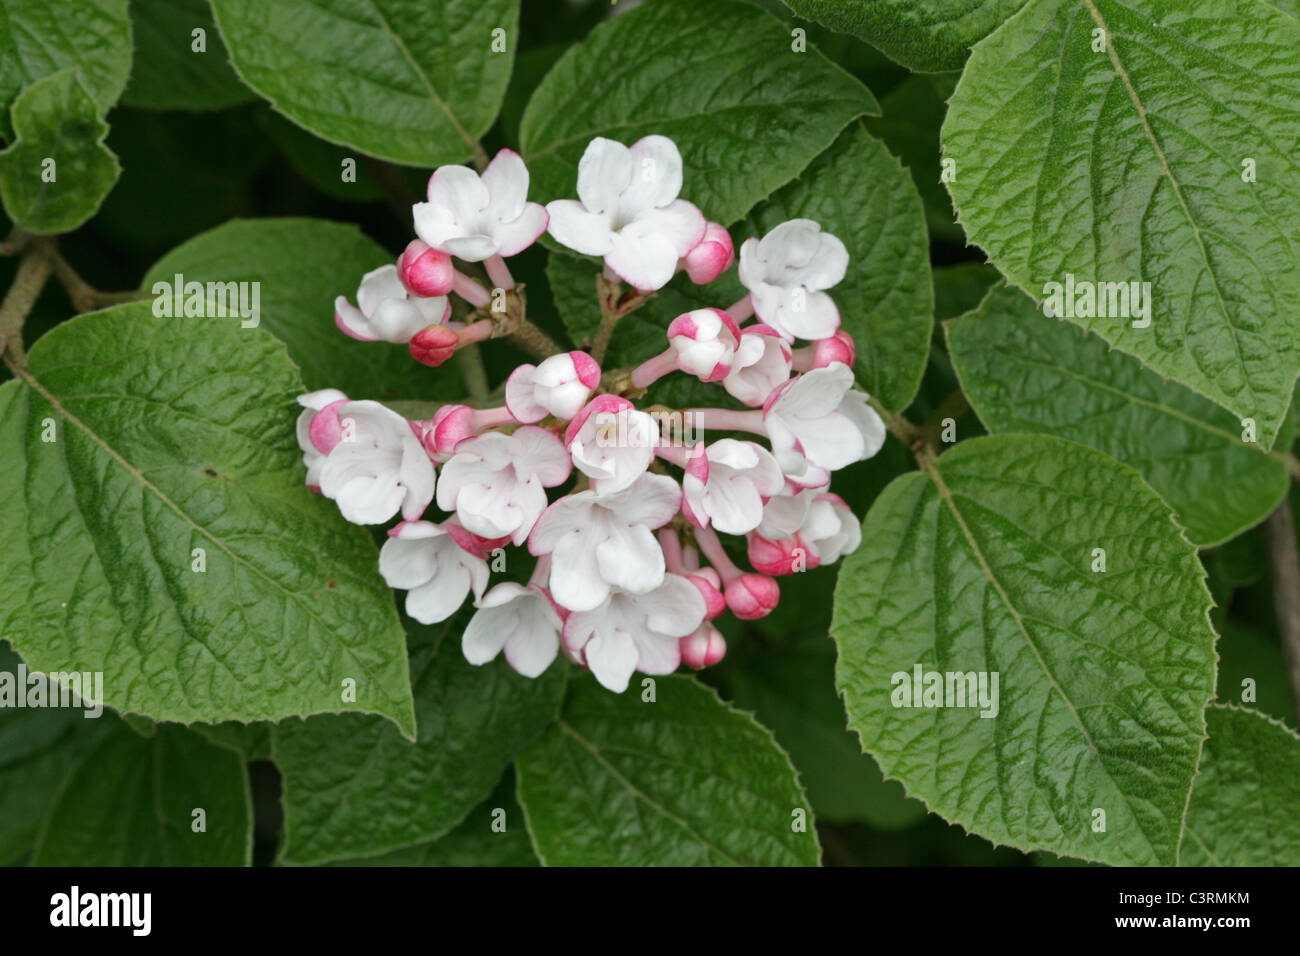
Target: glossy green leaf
141,448
1245,808
681,780
169,73
923,35
39,38
353,786
172,800
412,81
1167,158
301,265
721,79
1025,372
984,565
57,171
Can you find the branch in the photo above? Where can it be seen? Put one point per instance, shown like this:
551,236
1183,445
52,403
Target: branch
1284,569
34,270
613,306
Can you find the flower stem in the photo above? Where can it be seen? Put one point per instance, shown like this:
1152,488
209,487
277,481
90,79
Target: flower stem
653,369
499,273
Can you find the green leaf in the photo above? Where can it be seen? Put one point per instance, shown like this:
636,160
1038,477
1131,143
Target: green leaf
354,787
860,193
133,440
1025,372
57,171
721,79
792,691
1250,659
40,38
302,265
38,749
322,164
412,81
960,288
678,781
926,36
1127,166
133,802
253,741
984,565
1245,808
478,841
168,73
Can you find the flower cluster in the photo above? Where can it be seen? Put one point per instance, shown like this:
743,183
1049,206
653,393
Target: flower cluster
631,572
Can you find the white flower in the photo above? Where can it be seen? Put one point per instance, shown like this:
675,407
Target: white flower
636,632
704,342
386,311
377,467
785,513
318,429
424,560
728,484
494,482
611,442
628,210
817,419
830,530
474,218
519,619
598,542
785,273
560,386
761,365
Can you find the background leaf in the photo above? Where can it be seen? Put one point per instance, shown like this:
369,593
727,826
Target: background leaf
413,81
174,434
168,73
683,780
746,111
1243,810
1025,372
1127,165
984,564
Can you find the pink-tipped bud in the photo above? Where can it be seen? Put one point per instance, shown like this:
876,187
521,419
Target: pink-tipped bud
475,544
838,348
703,649
712,255
751,596
425,271
326,428
781,556
452,424
714,602
705,342
434,345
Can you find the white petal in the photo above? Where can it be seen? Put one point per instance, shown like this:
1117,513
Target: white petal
612,656
604,174
582,231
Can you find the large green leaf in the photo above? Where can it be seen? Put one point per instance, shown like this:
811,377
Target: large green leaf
984,564
1127,166
302,265
1245,808
169,73
135,802
1025,372
171,435
492,835
39,38
923,35
860,193
720,79
57,171
413,81
681,780
353,786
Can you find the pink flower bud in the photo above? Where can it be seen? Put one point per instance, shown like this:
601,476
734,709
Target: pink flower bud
780,557
751,596
559,386
475,544
434,345
452,424
705,342
703,649
838,348
714,602
326,429
712,255
425,271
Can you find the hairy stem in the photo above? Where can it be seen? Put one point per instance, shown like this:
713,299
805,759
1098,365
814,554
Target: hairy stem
1284,569
34,270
